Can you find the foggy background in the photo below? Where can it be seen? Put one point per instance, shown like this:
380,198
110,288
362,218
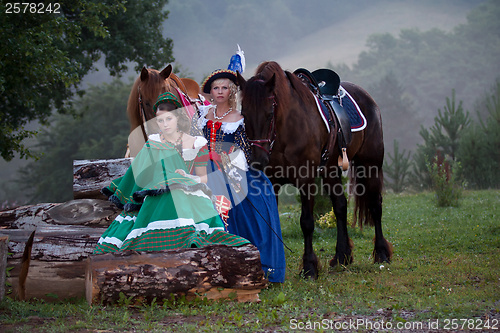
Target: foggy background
295,33
292,32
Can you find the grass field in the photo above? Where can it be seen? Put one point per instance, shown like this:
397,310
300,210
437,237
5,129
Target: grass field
444,276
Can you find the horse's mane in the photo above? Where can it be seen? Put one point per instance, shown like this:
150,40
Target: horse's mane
283,82
254,93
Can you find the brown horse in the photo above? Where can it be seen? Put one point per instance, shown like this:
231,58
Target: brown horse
288,137
145,90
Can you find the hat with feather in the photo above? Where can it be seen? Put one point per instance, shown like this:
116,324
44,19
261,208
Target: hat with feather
236,64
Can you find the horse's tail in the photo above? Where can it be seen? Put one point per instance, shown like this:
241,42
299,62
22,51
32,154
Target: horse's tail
366,183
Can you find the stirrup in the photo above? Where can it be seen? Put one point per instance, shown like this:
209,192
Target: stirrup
343,161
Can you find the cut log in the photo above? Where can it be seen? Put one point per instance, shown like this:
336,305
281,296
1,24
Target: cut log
66,234
25,216
90,176
4,240
84,211
55,243
214,272
57,260
87,212
49,280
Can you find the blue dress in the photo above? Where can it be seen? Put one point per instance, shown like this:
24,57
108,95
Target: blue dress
254,211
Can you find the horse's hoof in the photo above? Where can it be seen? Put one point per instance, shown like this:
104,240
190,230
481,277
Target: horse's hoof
383,253
309,275
381,259
342,261
334,263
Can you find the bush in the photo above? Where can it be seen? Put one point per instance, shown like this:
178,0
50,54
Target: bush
444,181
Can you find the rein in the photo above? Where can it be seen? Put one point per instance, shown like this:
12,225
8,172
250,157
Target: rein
142,113
271,133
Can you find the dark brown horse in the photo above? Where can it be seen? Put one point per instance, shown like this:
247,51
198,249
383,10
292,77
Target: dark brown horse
145,90
288,136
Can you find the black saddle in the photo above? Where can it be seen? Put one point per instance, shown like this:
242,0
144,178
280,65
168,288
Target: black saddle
324,80
325,84
328,81
308,79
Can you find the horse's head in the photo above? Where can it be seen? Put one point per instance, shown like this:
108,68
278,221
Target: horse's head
149,84
153,83
258,108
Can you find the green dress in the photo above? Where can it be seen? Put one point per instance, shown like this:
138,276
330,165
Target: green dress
162,209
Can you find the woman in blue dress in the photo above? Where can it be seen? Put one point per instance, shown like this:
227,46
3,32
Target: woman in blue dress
254,213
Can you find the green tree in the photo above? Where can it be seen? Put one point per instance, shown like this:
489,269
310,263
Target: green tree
398,169
479,150
44,57
448,127
440,139
100,130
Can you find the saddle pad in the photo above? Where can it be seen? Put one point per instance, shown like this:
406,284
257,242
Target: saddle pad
356,117
323,111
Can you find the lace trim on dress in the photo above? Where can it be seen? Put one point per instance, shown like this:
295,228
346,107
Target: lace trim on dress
155,137
227,127
188,154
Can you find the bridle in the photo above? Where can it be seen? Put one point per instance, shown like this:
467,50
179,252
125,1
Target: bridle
142,113
271,132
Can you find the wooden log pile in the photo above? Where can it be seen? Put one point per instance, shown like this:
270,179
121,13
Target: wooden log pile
58,262
56,265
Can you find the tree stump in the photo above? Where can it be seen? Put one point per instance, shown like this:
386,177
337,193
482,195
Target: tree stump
214,272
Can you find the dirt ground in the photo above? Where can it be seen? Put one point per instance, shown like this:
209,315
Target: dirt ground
380,322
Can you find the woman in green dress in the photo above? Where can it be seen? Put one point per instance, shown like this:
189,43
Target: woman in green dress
166,203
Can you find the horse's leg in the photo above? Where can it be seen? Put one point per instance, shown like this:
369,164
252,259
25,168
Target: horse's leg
309,259
343,249
382,251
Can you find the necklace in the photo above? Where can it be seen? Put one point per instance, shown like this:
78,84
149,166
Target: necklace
177,144
225,114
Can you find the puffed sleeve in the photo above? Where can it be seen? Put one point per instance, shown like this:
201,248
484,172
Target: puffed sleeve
241,141
202,156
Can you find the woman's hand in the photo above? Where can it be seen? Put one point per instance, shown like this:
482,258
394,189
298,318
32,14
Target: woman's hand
182,172
185,174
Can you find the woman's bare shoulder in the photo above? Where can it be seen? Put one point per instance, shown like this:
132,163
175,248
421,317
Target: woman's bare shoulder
188,141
